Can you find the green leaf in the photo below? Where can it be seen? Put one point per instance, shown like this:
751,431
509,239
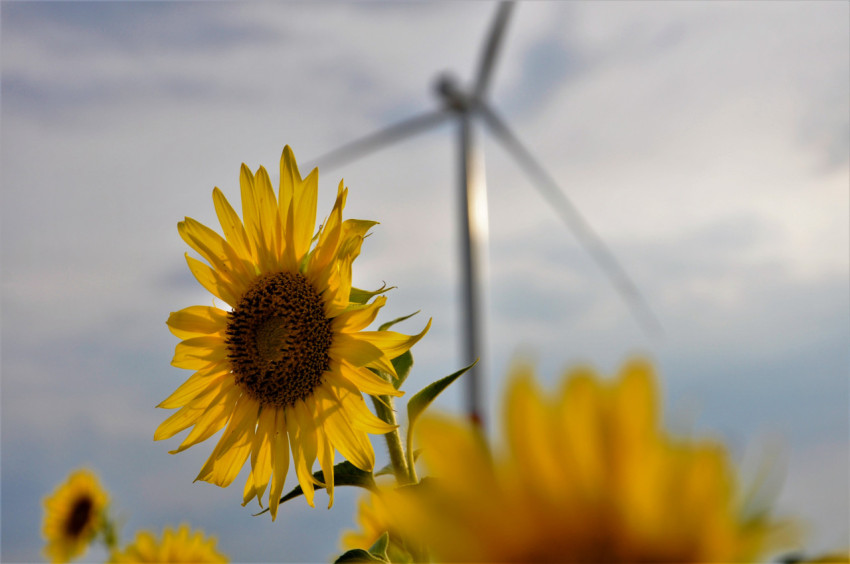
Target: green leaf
423,399
379,547
389,324
359,296
358,555
345,474
402,365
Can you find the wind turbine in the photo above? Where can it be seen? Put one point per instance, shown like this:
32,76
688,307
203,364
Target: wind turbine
464,106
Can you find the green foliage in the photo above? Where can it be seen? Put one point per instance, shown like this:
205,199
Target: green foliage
420,402
388,324
359,296
376,553
359,555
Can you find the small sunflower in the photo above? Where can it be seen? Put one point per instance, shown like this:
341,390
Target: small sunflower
175,546
285,366
588,476
74,514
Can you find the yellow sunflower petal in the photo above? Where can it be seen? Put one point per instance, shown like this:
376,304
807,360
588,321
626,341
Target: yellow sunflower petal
355,351
290,178
212,281
328,237
302,439
268,216
367,381
189,413
198,352
194,385
392,344
352,443
355,408
218,252
280,460
325,453
194,321
212,420
232,449
232,226
261,457
304,214
356,318
526,426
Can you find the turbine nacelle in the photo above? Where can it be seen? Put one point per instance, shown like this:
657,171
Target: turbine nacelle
448,89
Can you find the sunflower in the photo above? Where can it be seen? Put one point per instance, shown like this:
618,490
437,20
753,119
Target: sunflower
587,476
175,546
284,368
373,518
74,514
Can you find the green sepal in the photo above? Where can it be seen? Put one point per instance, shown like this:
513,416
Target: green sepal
359,296
423,398
345,474
359,555
402,365
379,547
389,324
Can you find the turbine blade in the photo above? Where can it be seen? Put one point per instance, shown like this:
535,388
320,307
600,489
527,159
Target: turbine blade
380,139
494,40
594,244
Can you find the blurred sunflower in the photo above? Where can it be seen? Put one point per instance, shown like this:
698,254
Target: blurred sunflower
285,367
372,516
74,514
175,546
588,476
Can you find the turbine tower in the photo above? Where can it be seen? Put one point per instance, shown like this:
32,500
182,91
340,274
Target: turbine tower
464,106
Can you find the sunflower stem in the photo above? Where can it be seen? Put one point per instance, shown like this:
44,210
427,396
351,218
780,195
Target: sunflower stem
384,409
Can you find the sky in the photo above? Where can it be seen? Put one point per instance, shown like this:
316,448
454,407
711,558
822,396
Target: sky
707,143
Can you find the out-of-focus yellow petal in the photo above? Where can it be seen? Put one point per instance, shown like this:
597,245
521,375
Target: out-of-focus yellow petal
527,427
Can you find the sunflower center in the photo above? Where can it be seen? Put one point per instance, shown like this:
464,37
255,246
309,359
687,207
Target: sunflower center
79,517
278,339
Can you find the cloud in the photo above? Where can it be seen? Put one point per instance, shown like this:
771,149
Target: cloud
706,144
